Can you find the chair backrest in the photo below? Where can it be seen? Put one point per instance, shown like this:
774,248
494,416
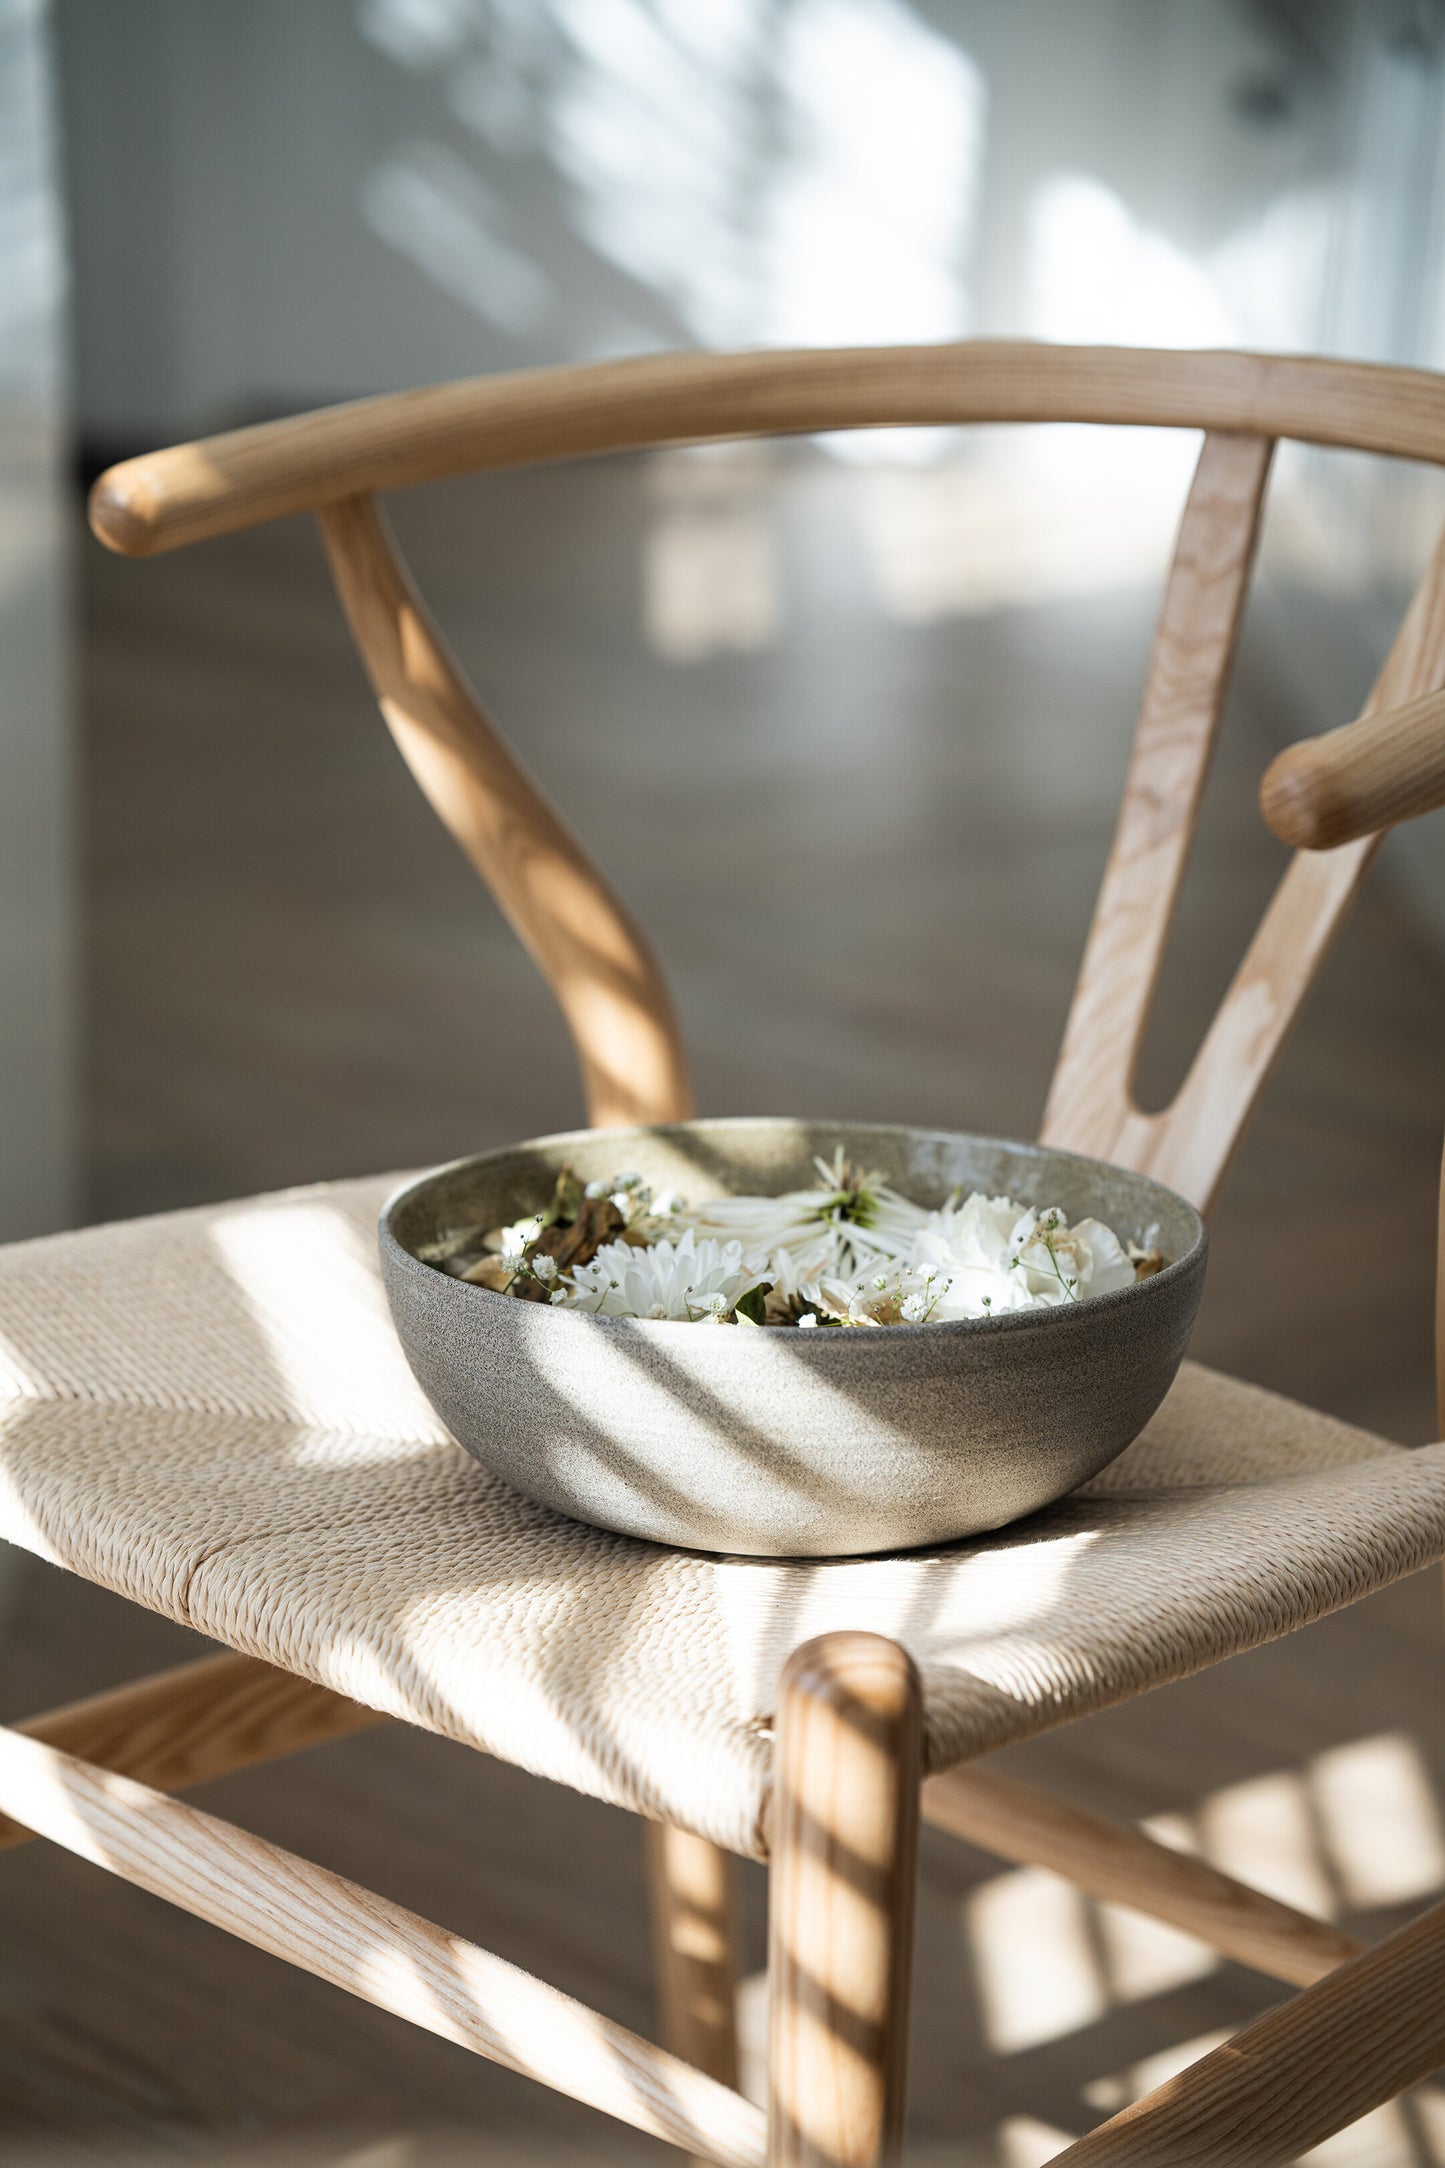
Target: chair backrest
597,961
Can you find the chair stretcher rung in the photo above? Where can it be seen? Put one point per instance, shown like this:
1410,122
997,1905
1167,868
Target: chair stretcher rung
1122,1865
373,1948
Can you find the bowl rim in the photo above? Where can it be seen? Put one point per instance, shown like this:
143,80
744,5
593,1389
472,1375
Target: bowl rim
1044,1317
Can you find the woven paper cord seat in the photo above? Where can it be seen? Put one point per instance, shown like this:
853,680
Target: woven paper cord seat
209,1412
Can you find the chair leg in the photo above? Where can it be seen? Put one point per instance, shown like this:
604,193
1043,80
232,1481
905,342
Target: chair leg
694,1937
844,1847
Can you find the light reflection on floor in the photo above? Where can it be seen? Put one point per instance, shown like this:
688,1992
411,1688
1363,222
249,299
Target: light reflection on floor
711,579
1356,1827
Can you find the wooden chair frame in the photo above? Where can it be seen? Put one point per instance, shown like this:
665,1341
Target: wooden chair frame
847,1798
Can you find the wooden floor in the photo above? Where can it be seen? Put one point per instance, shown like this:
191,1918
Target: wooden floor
863,801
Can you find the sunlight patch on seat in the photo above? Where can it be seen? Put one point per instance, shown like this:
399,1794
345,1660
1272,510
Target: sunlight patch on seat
18,1381
974,1610
17,1514
312,1290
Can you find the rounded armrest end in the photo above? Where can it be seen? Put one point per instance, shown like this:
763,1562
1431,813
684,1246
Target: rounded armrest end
122,510
1360,779
1299,804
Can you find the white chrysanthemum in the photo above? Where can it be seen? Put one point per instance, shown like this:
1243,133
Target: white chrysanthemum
689,1281
833,1231
992,1256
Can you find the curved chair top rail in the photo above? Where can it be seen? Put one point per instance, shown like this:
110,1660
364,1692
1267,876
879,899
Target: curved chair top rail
166,499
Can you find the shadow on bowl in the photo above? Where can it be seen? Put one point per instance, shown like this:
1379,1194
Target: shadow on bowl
780,1443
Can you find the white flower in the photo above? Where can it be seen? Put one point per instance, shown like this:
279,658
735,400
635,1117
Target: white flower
899,1296
992,1256
650,1219
851,1252
515,1239
853,1219
689,1281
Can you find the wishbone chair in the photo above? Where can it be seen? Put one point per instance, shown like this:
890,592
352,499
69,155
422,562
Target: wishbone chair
321,1524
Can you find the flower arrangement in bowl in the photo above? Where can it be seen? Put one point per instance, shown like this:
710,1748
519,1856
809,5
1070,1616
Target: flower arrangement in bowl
924,1334
848,1251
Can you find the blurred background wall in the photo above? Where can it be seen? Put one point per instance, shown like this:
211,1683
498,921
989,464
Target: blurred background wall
274,204
37,977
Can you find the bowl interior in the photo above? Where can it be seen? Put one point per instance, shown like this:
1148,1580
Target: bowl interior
764,1155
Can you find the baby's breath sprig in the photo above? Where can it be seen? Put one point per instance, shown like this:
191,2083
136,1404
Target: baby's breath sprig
1043,1237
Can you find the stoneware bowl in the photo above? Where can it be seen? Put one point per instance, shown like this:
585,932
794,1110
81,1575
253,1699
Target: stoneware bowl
774,1442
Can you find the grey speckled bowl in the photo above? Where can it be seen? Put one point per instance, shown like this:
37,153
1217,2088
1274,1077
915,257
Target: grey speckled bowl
784,1443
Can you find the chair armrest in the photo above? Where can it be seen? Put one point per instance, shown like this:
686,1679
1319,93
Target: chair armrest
1361,778
190,492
